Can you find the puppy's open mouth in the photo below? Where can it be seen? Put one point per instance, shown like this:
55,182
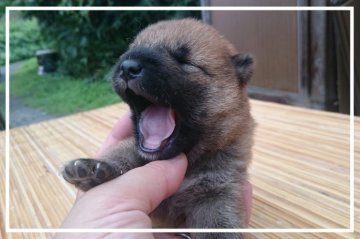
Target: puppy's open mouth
157,124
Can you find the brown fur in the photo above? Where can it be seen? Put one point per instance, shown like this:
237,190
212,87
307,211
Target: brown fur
210,196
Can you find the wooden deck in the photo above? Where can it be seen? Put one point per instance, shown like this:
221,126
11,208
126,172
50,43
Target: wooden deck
300,169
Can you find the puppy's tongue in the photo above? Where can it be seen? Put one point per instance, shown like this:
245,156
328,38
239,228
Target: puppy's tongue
156,124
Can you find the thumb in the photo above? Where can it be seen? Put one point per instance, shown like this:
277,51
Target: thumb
144,188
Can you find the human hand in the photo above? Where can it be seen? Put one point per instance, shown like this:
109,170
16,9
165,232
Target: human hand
130,205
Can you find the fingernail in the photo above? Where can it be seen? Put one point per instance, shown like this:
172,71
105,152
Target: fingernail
179,159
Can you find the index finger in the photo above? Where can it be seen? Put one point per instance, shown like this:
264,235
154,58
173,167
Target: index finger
122,130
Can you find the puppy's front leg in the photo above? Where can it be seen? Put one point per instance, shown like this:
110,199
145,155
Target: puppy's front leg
217,209
88,173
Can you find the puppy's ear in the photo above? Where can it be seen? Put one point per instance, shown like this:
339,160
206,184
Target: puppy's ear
244,67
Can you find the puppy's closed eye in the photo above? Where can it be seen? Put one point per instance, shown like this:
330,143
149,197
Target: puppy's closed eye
181,54
190,68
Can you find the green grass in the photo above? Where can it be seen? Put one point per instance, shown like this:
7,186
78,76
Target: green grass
58,94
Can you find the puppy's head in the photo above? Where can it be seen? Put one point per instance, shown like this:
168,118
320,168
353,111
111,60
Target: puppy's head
184,83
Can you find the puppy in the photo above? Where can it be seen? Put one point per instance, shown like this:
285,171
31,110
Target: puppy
185,85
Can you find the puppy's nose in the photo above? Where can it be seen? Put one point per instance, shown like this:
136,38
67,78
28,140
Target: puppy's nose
130,69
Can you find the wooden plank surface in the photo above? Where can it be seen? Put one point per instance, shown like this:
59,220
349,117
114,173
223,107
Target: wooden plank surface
300,169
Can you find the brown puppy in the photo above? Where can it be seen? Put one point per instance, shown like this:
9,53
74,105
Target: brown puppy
185,85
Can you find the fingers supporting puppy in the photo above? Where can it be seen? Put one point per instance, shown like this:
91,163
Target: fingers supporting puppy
145,187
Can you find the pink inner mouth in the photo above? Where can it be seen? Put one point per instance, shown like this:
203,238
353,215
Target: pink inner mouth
157,123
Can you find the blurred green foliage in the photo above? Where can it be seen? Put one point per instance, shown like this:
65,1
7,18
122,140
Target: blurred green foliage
2,42
89,41
25,39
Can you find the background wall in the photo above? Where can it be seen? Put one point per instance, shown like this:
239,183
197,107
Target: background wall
302,57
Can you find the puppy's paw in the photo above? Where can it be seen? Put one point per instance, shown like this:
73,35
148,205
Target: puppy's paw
88,173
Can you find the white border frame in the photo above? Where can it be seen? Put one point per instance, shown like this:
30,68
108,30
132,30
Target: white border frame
207,8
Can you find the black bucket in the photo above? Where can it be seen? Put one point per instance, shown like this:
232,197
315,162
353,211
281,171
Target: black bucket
47,61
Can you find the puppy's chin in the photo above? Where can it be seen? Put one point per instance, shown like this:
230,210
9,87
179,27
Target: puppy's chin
166,152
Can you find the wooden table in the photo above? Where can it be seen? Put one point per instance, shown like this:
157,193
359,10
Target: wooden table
300,169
